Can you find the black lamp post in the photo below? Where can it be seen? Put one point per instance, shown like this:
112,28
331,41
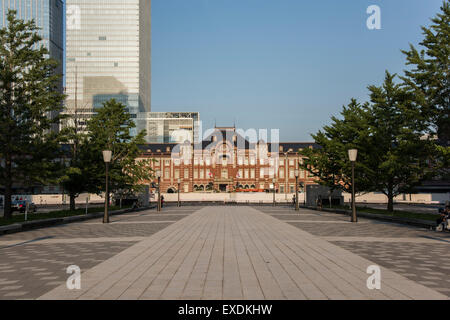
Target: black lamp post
179,184
296,190
158,175
107,155
286,172
274,181
352,155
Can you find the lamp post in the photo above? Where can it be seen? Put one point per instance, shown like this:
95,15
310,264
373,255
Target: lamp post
286,169
274,181
107,155
179,184
296,190
352,155
158,175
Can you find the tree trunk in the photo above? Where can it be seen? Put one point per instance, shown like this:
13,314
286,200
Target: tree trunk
7,212
390,196
7,208
72,202
329,199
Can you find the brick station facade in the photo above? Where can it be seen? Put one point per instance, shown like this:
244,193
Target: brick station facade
225,162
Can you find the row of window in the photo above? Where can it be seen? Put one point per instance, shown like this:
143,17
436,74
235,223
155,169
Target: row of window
224,174
241,161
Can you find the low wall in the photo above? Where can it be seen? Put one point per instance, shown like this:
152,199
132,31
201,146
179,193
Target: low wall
425,198
421,198
231,197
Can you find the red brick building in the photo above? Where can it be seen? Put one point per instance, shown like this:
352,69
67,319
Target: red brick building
227,161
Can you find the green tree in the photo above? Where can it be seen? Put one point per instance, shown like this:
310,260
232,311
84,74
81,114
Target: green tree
76,176
111,129
329,163
429,75
400,154
76,173
29,100
394,156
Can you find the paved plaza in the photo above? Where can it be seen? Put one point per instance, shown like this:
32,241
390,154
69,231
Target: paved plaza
226,252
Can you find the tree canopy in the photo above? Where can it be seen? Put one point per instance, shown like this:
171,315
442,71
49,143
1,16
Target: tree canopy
109,129
30,104
429,73
394,154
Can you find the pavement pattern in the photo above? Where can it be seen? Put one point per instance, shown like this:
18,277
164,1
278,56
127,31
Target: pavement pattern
34,262
416,253
262,253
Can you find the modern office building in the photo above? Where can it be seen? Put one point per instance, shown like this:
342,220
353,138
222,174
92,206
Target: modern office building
48,15
108,55
169,127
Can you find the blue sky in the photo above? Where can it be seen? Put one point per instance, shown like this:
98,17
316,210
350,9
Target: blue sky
287,64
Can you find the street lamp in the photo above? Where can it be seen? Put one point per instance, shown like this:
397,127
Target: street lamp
274,181
286,169
158,175
179,183
107,155
352,155
296,190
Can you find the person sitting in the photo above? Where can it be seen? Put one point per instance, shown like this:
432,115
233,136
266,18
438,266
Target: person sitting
319,203
442,221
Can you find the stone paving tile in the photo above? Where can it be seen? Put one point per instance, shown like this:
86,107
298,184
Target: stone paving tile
412,265
421,255
89,230
212,250
368,229
41,275
30,267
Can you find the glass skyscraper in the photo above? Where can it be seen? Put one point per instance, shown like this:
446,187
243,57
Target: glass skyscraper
108,55
48,16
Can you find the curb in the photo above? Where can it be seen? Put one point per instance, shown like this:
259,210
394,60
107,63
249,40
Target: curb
26,226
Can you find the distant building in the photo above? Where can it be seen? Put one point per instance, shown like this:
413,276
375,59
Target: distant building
169,127
225,161
48,16
108,49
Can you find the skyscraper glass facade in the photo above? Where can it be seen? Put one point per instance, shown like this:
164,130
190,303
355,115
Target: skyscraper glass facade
48,16
108,55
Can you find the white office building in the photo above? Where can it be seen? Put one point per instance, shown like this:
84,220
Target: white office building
108,55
